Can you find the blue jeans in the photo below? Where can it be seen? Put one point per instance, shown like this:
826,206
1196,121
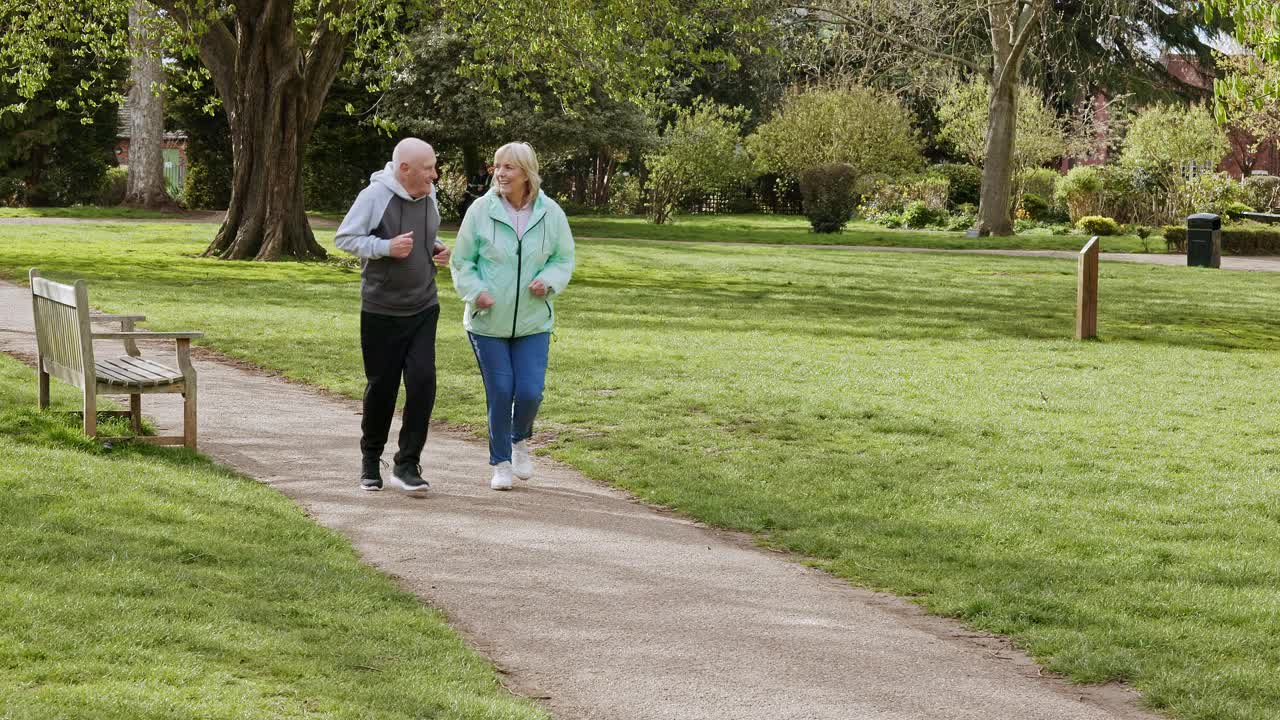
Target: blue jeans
514,371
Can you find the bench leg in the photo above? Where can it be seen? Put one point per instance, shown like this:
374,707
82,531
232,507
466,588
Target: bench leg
42,396
135,413
90,413
189,417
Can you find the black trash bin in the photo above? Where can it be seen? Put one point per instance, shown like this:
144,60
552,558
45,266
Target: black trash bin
1204,240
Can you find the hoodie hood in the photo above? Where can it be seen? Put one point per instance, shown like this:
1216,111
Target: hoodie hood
387,176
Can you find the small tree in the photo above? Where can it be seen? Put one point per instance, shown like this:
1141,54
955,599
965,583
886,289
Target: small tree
1250,105
964,113
1173,141
701,150
868,130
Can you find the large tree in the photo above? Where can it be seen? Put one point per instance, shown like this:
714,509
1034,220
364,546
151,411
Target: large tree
146,185
997,39
272,63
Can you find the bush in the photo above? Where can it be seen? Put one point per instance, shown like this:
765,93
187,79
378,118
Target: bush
626,197
115,184
962,222
887,196
1081,191
451,190
13,192
964,183
1245,239
867,129
1098,225
1036,207
1215,193
932,191
918,215
701,151
1263,192
208,186
828,195
1041,182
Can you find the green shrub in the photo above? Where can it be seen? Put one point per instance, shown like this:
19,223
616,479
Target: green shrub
1263,192
1098,225
918,215
626,196
13,192
1042,182
828,197
1215,193
208,186
932,190
964,183
1081,191
961,222
1243,239
451,188
1036,207
114,186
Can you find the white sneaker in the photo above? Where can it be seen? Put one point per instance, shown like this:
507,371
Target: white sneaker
521,463
501,477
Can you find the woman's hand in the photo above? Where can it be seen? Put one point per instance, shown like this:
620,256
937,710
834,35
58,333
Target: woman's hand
484,301
539,288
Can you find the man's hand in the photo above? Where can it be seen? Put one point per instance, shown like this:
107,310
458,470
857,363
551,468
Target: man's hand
441,255
484,301
539,288
402,245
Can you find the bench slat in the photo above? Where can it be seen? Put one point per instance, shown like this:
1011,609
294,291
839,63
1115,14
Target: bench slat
135,372
105,371
146,368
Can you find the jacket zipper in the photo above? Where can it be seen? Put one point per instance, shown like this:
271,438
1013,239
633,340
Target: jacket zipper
519,265
520,269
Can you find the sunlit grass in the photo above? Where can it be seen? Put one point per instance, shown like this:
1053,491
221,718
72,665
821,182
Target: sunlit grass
141,582
921,424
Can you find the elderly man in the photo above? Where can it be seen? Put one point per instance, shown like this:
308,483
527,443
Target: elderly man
392,228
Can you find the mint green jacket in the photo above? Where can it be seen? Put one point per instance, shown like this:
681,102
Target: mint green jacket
487,257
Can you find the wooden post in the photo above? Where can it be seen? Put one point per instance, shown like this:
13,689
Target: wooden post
1087,292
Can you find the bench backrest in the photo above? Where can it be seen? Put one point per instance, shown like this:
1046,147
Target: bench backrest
63,338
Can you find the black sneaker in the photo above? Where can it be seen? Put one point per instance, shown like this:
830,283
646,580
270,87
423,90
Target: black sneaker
370,476
409,477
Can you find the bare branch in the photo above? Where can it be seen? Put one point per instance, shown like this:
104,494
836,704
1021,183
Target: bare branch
900,41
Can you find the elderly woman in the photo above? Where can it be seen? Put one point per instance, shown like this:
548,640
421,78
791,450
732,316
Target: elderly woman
512,259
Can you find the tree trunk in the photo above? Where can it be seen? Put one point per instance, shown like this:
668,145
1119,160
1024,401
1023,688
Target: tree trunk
997,170
1012,28
266,217
271,114
146,185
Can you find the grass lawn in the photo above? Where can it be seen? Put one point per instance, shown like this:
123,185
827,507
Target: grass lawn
918,424
794,230
84,212
147,583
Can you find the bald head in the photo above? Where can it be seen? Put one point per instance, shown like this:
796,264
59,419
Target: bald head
415,164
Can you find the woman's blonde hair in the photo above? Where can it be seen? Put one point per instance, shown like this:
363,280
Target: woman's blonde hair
522,156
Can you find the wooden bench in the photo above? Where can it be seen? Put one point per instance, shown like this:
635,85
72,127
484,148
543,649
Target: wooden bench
64,339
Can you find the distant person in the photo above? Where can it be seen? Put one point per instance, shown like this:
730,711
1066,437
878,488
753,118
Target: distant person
477,186
512,259
392,228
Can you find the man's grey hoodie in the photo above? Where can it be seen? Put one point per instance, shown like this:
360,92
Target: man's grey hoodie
392,286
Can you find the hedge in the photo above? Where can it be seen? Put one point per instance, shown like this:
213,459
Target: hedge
1235,241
